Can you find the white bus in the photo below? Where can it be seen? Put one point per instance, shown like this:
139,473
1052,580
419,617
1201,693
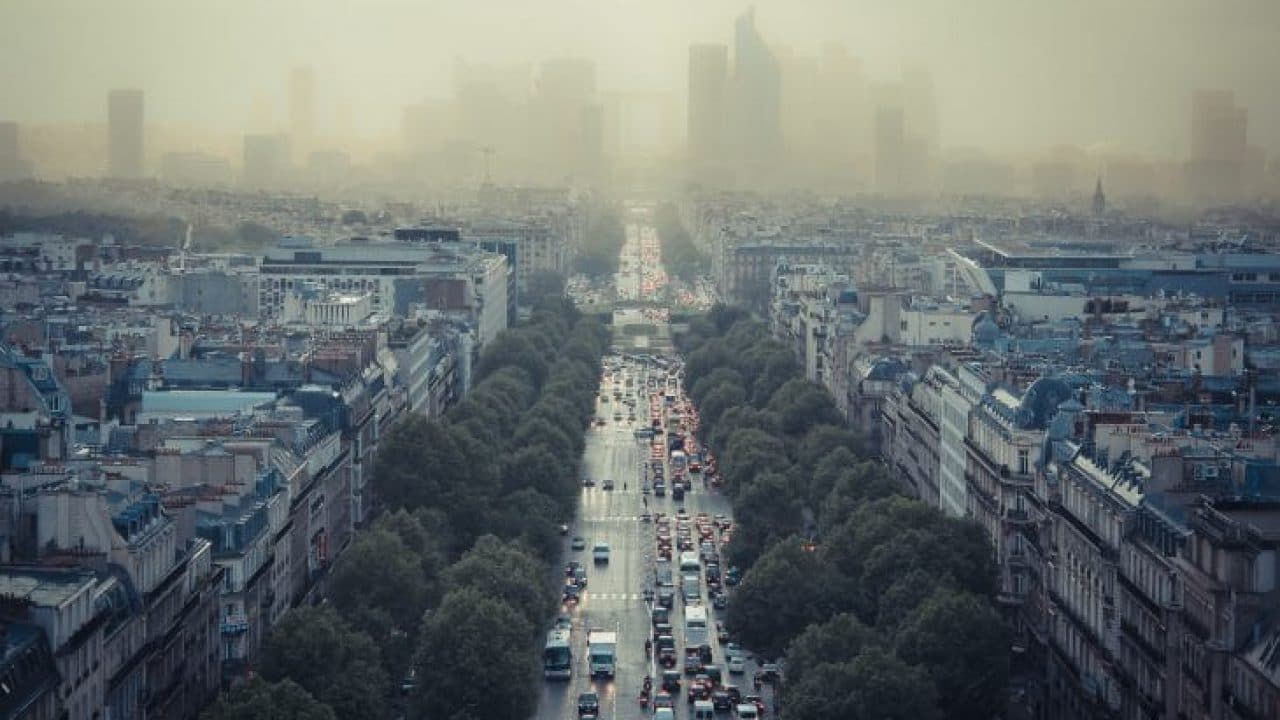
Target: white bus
557,657
695,626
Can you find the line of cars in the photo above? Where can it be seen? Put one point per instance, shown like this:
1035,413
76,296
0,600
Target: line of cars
706,689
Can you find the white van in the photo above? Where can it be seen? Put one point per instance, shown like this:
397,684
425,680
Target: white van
704,710
746,711
689,562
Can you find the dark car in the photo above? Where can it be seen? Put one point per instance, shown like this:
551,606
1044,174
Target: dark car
666,597
671,681
571,567
588,482
722,635
721,701
572,593
588,704
608,485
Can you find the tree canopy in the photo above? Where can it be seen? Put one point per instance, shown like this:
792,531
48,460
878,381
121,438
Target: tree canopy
858,607
475,660
260,700
335,663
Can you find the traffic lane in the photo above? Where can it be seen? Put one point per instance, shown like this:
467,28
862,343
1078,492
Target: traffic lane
558,699
612,599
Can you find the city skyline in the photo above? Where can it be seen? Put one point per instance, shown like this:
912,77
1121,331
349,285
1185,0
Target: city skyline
1039,78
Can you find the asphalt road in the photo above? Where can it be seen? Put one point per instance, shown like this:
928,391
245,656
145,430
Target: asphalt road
613,599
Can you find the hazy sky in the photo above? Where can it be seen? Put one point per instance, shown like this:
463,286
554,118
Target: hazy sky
1010,74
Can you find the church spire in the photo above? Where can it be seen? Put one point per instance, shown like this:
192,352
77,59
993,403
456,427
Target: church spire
1099,200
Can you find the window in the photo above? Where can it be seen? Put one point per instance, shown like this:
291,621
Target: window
1023,461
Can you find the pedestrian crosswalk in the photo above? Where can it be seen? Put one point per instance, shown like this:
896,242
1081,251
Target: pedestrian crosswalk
612,518
612,596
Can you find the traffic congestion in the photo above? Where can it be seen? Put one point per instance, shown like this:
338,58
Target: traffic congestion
641,630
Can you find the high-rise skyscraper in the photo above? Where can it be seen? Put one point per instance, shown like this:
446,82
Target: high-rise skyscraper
890,148
266,160
708,87
1219,144
756,111
302,109
565,88
124,134
12,166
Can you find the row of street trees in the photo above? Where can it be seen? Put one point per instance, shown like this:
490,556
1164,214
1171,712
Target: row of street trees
453,578
679,253
882,606
602,240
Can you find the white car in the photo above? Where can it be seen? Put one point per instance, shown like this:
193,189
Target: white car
600,553
737,664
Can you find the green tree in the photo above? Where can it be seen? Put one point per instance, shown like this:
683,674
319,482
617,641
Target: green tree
513,349
338,665
824,473
838,640
875,685
822,440
509,573
534,467
718,400
544,284
856,485
415,461
785,591
801,405
475,660
906,593
864,547
705,360
960,640
723,317
537,431
741,418
714,379
531,518
771,504
379,571
261,700
748,453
